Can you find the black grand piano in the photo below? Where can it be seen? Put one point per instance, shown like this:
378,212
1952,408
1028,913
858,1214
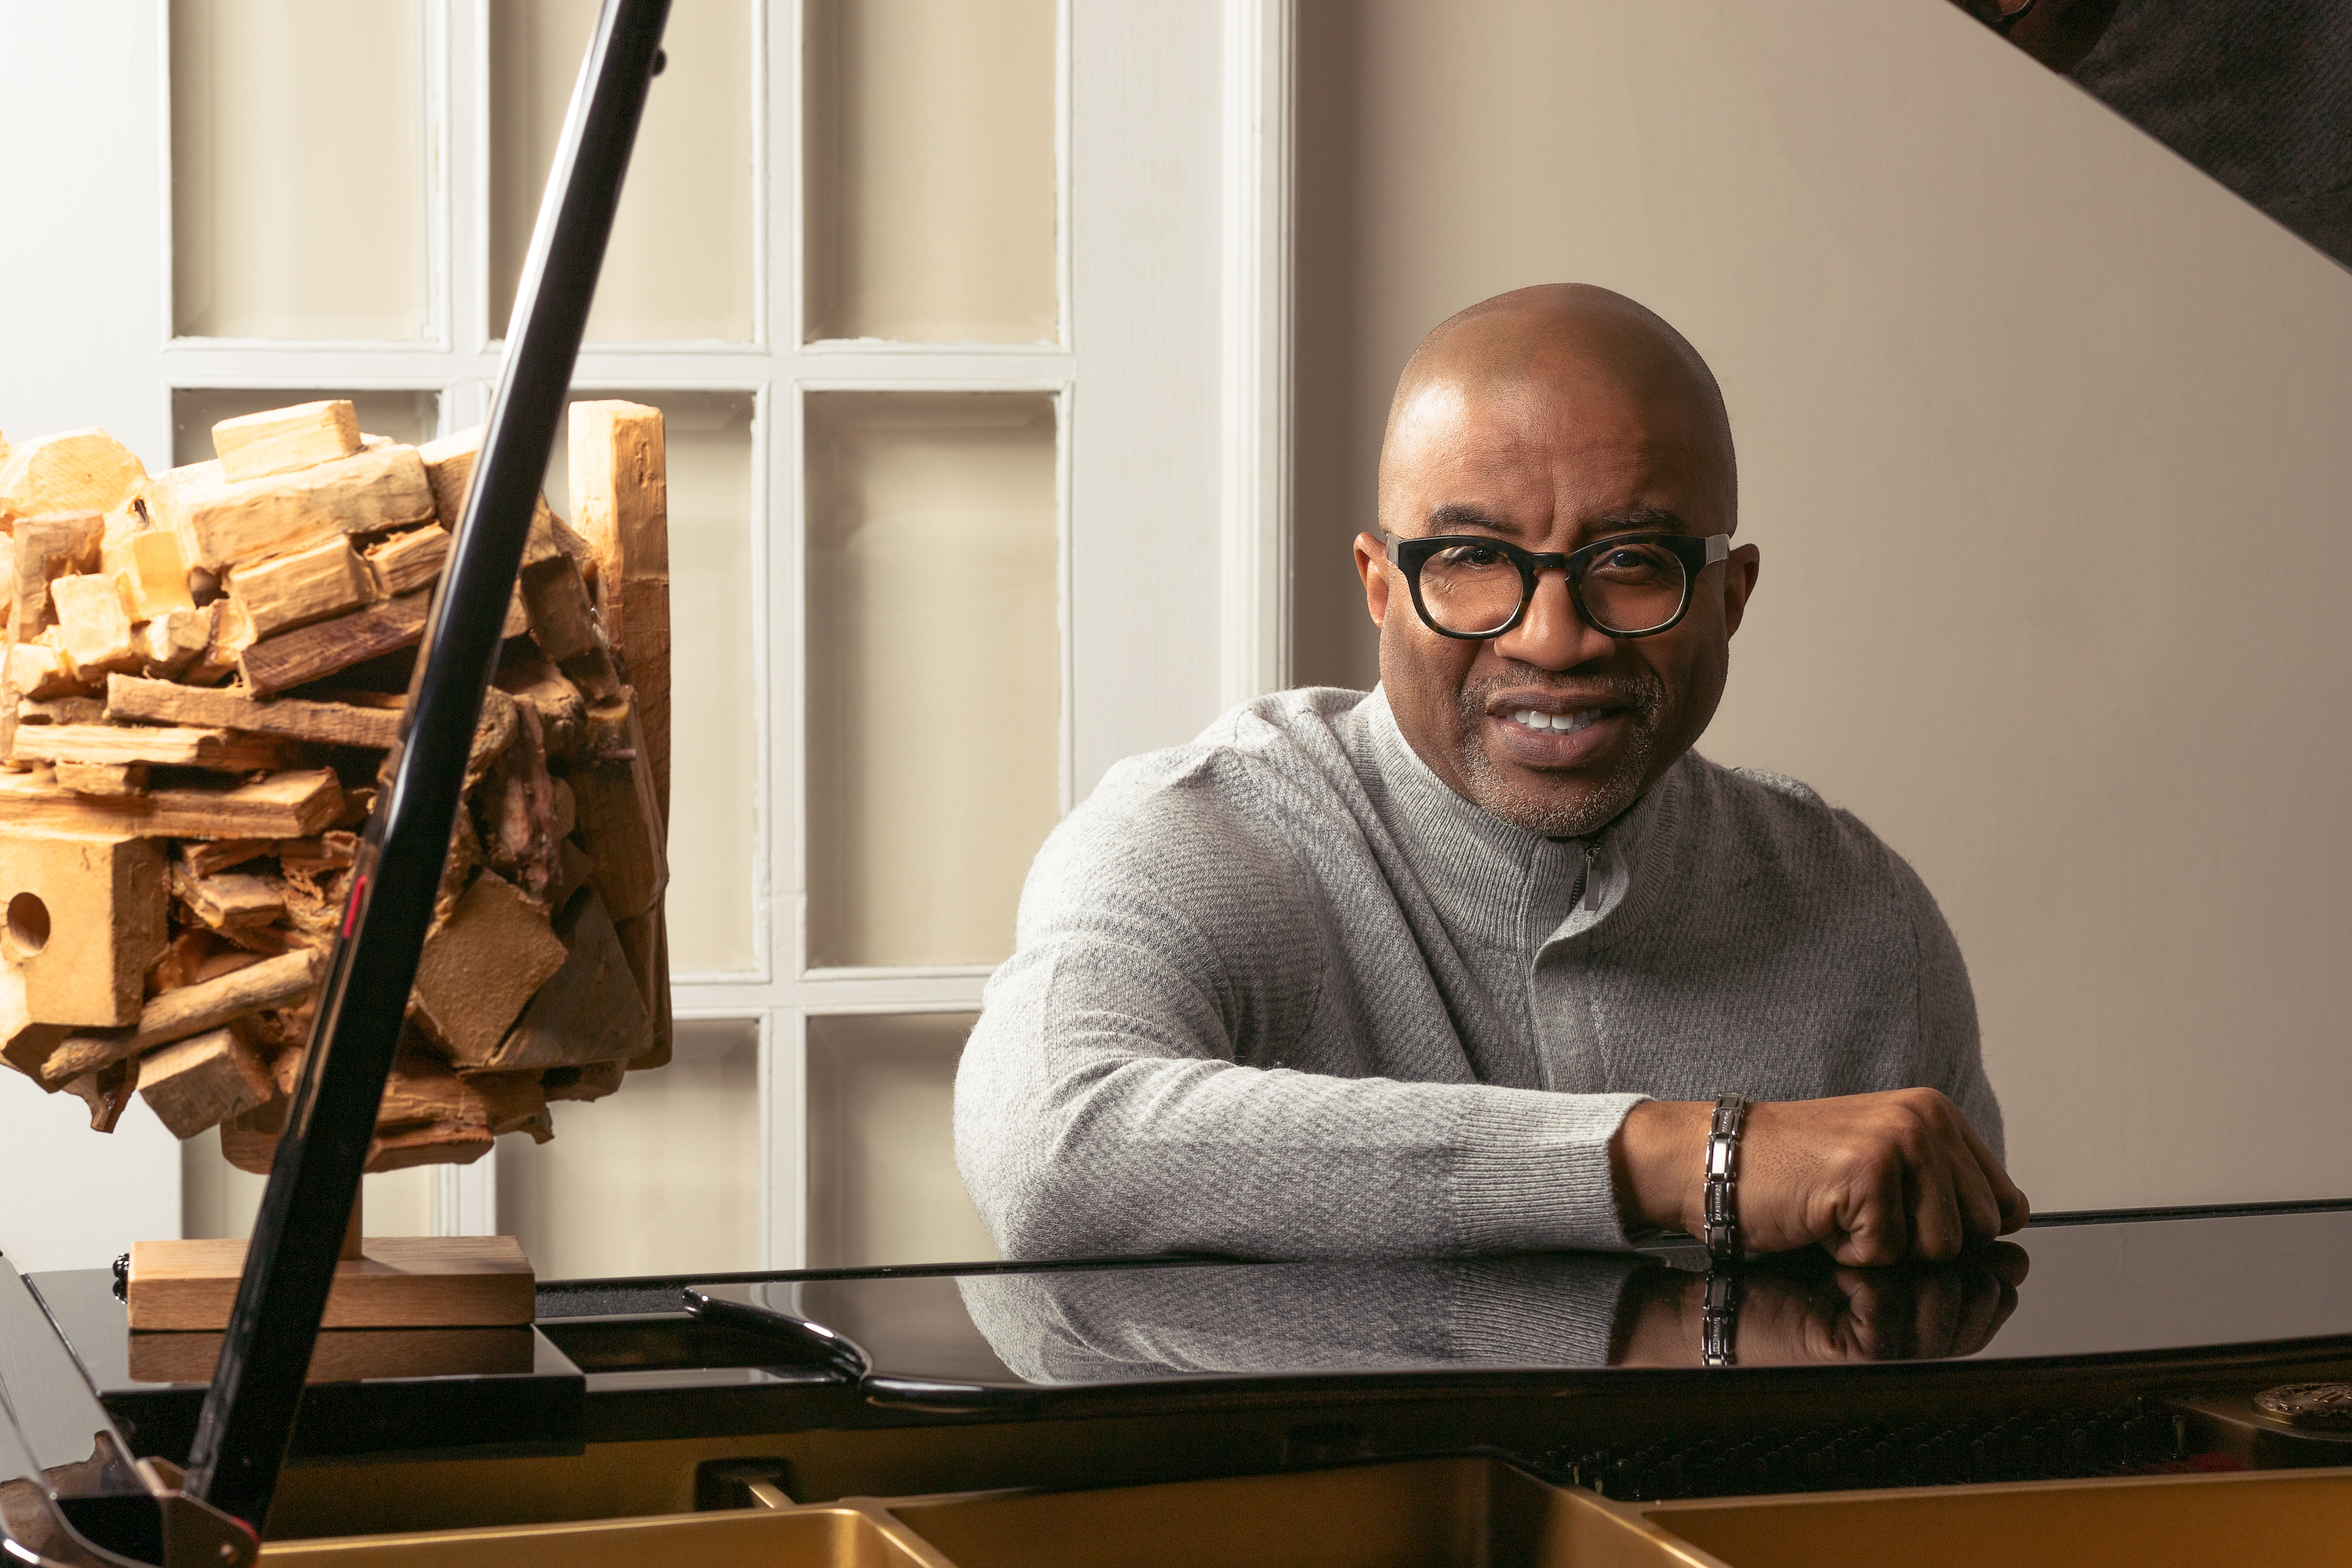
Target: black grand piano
2088,1394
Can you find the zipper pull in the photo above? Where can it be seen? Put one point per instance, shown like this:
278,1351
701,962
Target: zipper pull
1592,875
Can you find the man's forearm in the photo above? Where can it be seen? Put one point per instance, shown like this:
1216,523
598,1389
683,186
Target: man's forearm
1144,1154
1658,1160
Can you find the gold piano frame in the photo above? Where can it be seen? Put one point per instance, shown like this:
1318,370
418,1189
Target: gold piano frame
1471,1512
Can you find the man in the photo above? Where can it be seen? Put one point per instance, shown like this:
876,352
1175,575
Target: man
1459,964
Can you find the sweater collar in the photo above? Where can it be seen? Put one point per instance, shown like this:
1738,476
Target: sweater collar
1506,885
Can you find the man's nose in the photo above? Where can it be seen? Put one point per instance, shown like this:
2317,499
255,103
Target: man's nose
1552,634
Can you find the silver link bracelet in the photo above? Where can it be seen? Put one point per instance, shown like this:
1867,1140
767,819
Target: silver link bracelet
1722,1233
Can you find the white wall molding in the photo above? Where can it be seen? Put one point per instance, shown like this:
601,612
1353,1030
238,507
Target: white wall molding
465,1198
1255,567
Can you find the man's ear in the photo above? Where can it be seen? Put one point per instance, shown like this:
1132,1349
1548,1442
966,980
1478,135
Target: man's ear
1370,558
1739,581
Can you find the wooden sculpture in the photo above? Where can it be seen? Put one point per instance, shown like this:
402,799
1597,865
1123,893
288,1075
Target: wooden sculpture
204,671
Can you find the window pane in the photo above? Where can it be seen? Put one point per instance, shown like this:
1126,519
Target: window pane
216,1199
680,264
714,693
298,169
883,1186
660,1177
931,170
934,671
409,417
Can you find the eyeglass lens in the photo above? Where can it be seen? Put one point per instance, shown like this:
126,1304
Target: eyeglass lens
1474,589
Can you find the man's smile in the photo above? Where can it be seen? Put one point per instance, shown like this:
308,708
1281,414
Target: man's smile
1554,731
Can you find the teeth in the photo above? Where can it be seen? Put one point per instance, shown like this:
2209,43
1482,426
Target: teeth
1558,723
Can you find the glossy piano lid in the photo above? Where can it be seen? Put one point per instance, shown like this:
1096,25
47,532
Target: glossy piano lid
491,1392
2108,1288
52,1427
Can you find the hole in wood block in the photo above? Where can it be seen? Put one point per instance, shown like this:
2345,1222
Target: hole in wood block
29,925
84,918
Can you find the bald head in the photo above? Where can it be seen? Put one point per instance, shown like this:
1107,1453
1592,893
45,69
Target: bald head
1570,344
1552,422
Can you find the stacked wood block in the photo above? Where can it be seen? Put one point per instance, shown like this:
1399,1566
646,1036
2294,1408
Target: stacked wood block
204,675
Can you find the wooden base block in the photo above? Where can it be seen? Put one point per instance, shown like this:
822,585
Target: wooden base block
398,1282
348,1355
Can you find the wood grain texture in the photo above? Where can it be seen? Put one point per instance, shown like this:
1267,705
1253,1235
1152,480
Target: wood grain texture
230,901
170,746
591,1011
557,602
221,522
408,562
154,572
75,470
298,658
646,940
479,970
93,625
64,711
307,585
292,805
43,548
195,1084
101,778
40,672
450,468
172,640
621,826
278,439
231,635
128,697
620,503
189,1010
401,1283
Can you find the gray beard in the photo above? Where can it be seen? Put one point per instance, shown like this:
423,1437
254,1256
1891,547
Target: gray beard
1491,789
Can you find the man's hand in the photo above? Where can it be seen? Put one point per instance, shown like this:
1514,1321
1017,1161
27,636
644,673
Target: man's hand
1872,1178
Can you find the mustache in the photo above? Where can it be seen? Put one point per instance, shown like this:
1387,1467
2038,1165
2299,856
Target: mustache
1644,694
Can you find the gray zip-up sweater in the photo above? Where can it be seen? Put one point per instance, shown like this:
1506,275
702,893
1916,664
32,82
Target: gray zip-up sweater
1283,992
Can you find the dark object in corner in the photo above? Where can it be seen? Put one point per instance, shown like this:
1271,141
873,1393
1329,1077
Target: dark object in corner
2257,95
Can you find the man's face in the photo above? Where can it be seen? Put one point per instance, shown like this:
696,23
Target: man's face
1550,462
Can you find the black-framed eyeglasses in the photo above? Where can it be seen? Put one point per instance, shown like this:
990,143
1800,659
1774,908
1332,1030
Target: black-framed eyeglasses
1473,586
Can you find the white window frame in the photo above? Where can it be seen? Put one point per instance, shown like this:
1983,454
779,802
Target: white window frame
1235,169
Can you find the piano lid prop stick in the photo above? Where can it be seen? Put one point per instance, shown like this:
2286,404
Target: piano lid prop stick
248,1414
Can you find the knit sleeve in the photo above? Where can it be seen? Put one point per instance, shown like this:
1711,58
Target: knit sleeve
1949,1056
1125,1092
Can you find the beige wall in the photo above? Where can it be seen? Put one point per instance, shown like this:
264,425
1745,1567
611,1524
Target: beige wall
2043,436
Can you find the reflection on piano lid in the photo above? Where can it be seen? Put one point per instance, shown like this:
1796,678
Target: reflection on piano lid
2062,1291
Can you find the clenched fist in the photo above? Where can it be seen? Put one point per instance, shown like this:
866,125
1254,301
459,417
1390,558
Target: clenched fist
1870,1178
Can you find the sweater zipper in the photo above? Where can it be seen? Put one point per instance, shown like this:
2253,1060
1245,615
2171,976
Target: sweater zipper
1591,879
